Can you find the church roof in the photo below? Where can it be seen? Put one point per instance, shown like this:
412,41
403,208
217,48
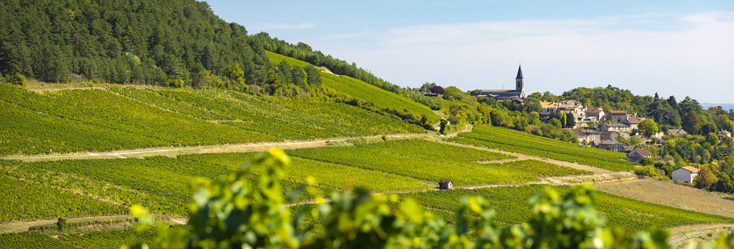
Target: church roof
519,73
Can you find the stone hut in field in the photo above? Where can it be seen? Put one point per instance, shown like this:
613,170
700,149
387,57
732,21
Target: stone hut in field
446,184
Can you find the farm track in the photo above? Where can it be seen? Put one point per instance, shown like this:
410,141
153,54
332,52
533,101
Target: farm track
205,149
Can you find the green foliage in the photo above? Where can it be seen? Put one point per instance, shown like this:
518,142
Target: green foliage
648,127
61,224
543,169
17,79
646,161
113,238
138,42
648,171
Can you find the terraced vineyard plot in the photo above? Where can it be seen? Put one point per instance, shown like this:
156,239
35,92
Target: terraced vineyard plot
468,138
363,90
97,120
462,174
435,151
327,174
543,169
158,183
22,200
153,98
31,240
110,239
511,206
355,119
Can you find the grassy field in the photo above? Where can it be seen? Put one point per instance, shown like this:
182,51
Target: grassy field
671,194
511,205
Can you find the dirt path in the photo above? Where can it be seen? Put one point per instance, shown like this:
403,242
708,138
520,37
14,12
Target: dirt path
683,233
20,226
174,151
528,157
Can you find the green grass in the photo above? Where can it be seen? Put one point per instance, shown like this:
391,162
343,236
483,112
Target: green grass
329,175
511,206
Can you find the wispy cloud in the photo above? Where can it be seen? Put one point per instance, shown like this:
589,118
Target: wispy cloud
648,53
273,26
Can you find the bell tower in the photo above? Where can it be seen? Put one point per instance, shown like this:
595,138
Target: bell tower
520,82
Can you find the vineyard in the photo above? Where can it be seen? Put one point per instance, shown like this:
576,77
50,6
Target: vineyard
159,183
124,118
435,151
329,175
362,90
514,141
431,171
511,206
22,200
31,240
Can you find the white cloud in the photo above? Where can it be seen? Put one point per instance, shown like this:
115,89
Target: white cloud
670,54
272,26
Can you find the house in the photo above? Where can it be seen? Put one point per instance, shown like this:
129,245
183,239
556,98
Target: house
617,116
723,133
612,135
615,127
595,143
636,154
685,174
593,135
593,114
633,120
612,145
580,135
446,184
677,132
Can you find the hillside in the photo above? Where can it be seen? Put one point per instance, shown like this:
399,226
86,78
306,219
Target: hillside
127,117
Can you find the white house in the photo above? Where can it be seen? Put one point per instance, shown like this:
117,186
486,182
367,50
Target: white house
685,174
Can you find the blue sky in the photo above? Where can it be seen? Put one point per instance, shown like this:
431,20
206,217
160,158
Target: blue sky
681,48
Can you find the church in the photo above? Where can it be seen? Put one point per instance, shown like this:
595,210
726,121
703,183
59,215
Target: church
515,94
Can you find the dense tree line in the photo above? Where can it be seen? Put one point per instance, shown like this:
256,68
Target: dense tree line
126,42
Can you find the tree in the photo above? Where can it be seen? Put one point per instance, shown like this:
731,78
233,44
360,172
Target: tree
570,121
705,178
646,161
555,122
692,122
648,127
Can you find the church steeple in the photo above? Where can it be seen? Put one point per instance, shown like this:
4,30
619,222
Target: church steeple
519,72
520,82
